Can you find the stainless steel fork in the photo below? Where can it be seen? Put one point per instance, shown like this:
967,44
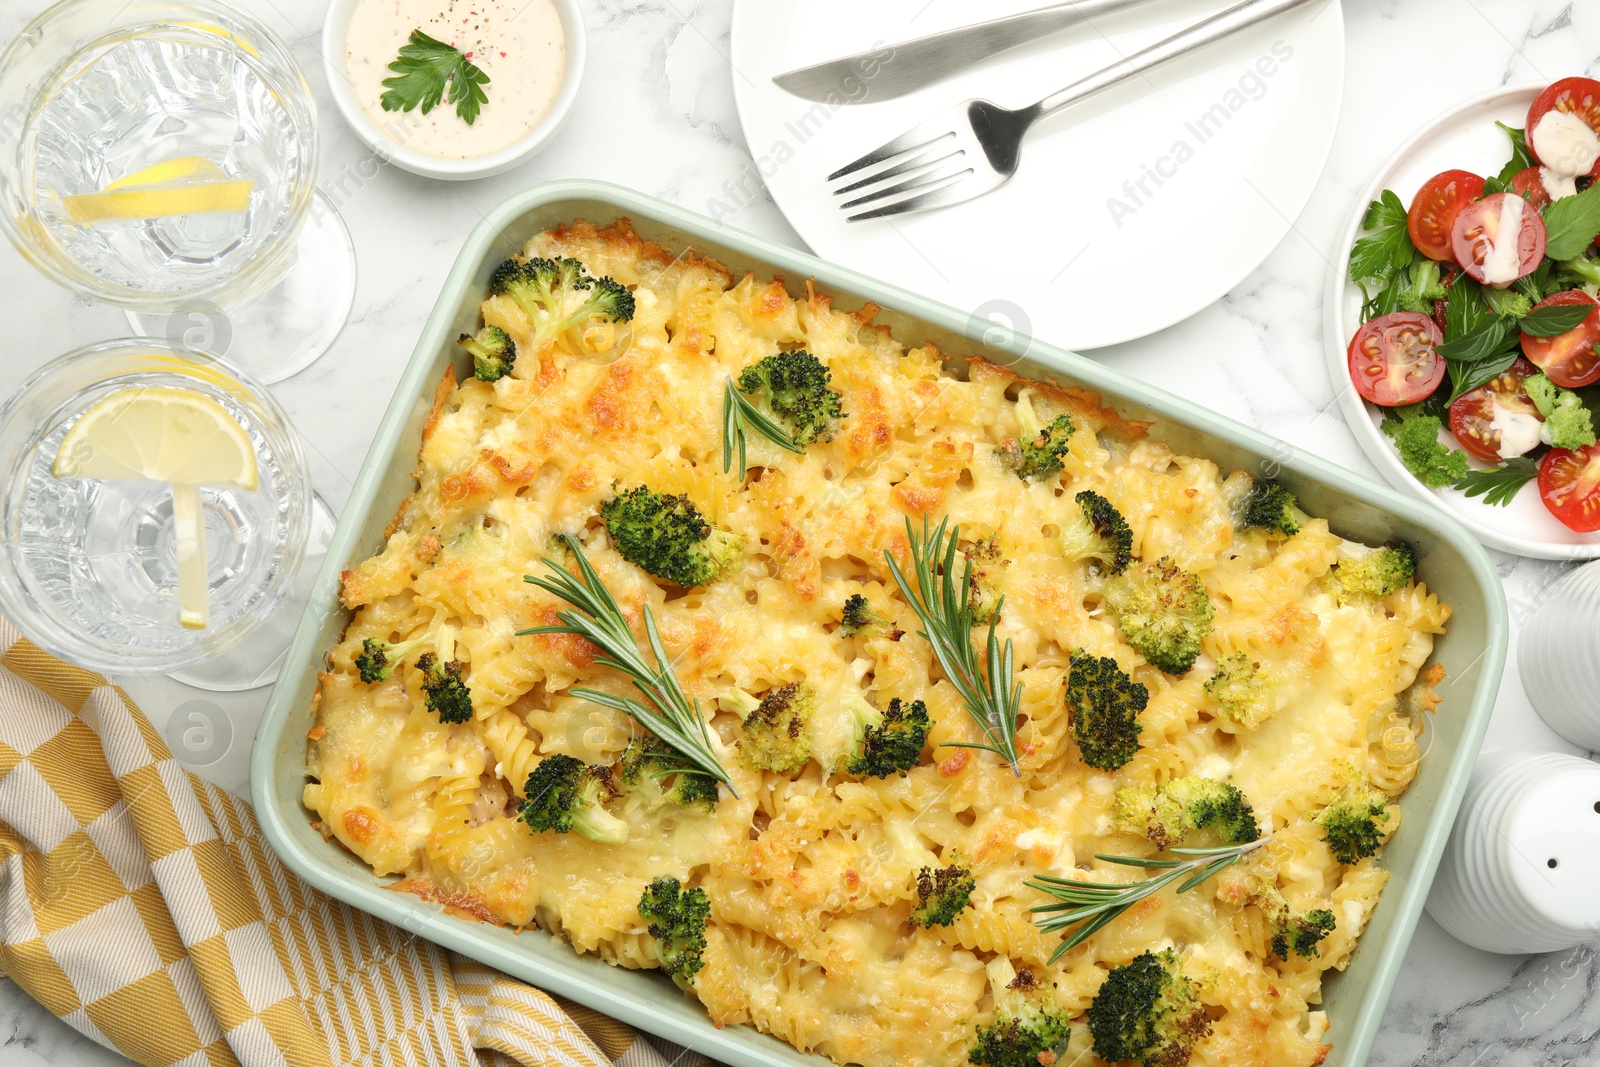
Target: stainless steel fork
973,148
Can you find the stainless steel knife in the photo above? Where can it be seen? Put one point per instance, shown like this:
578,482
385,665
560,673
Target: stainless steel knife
886,71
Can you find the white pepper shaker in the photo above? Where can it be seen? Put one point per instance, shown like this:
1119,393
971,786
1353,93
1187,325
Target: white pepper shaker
1521,872
1558,655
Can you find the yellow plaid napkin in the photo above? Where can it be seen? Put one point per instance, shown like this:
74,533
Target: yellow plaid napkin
141,905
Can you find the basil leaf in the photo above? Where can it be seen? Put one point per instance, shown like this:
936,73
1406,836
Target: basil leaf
1521,158
1388,248
1553,320
1488,338
1571,223
1464,308
1498,486
1465,377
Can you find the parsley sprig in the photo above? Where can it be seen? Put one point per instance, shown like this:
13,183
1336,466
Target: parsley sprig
423,70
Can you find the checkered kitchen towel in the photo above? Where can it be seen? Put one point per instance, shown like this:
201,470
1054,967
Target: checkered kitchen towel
142,906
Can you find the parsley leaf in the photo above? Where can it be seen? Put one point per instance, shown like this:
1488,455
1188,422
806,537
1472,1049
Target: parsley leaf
1388,249
1553,320
1571,223
424,68
1499,485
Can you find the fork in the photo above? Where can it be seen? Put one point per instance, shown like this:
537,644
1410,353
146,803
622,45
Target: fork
974,147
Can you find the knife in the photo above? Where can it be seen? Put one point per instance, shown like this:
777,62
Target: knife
886,71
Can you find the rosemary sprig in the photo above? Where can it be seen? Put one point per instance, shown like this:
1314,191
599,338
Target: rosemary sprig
1096,904
992,698
738,414
667,712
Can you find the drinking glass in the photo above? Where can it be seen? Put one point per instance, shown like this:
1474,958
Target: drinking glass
119,115
89,567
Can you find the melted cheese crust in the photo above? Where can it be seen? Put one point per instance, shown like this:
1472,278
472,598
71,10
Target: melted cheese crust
811,876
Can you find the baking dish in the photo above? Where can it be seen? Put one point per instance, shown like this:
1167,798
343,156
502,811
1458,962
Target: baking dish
1451,562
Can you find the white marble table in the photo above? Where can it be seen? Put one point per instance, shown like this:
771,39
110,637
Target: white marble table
659,83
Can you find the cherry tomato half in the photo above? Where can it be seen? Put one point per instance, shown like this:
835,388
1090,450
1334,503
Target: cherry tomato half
1481,248
1393,359
1569,360
1569,484
1434,210
1529,184
1579,96
1472,413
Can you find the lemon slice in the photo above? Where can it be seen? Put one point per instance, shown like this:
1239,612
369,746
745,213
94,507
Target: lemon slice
162,434
187,185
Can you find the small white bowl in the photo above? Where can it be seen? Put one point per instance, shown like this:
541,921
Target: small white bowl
334,30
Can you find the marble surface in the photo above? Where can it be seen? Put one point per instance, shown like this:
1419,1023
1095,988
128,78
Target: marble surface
659,83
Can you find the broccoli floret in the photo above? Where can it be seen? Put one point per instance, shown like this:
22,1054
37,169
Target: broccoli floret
1293,932
1040,446
377,659
1099,533
562,300
984,576
677,918
1182,806
446,694
647,758
1567,423
1352,824
1423,287
1243,690
942,894
1579,272
1507,303
888,743
1376,573
493,353
1417,440
1272,508
777,734
794,387
1104,705
565,794
1029,1030
1163,611
666,535
1149,1011
858,619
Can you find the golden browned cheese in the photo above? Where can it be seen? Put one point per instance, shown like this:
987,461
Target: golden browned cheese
811,875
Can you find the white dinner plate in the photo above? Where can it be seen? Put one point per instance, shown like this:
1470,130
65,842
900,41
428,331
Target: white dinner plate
1466,138
1130,212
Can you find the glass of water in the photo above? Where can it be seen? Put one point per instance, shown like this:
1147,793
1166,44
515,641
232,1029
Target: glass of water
160,155
89,567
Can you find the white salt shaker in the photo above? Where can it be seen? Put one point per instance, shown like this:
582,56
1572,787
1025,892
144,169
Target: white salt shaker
1559,658
1521,872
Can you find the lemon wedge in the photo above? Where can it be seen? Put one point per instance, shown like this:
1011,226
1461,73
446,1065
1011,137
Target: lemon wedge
163,434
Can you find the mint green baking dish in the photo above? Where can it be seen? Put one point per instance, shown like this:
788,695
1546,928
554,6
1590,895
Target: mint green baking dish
1452,563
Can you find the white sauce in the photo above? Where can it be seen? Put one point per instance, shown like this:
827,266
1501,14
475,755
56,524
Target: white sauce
1565,144
1503,263
1556,185
519,44
1519,430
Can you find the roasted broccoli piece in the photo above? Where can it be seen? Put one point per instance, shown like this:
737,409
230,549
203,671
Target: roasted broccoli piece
1029,1029
1040,446
565,794
1293,932
562,300
493,352
858,619
1184,805
1149,1011
793,386
984,578
1103,704
1100,533
1567,423
1416,438
1163,611
1352,824
377,659
942,894
777,734
446,694
666,535
889,742
1243,690
677,919
1375,573
647,759
1273,508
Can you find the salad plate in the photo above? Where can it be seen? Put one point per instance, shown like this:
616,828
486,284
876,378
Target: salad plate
1131,181
1466,137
